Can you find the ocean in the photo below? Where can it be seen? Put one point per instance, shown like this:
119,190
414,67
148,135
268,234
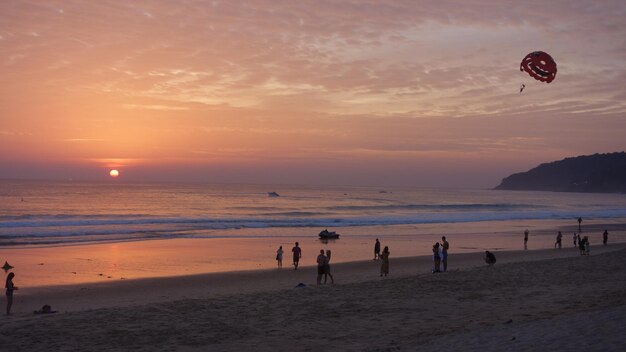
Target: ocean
60,233
61,213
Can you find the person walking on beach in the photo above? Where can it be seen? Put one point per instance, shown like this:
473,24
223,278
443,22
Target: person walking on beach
605,237
279,257
444,253
384,266
321,265
574,239
559,237
436,258
526,239
327,268
377,250
10,288
297,254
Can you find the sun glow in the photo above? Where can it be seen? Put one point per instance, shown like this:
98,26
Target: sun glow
114,173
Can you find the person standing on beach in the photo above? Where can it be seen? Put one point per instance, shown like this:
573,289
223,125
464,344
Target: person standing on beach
297,254
605,237
321,265
377,250
559,237
526,239
444,253
327,268
574,239
10,288
436,258
384,266
279,257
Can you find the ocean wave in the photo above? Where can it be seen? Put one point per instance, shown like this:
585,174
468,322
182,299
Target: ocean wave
81,226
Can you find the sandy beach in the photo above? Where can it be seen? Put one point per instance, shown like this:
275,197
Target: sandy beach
531,299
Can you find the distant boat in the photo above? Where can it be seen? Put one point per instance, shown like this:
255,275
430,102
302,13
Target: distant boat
325,235
273,194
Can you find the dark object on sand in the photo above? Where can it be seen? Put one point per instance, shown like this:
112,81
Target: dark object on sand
300,285
328,234
7,266
273,194
46,309
490,259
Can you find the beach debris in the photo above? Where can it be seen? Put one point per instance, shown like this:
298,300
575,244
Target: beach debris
108,277
513,338
508,321
40,264
521,88
273,194
73,272
7,266
300,285
101,274
540,66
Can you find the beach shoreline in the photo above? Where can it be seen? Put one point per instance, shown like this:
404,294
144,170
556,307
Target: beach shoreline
115,293
472,307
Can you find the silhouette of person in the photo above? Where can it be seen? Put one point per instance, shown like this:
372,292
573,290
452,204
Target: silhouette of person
436,258
559,237
526,239
490,259
10,288
327,268
279,256
297,254
384,266
605,237
321,264
377,249
444,253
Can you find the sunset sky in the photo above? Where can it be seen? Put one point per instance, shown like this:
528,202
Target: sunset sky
406,93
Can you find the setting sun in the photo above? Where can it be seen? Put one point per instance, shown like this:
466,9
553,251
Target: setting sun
114,173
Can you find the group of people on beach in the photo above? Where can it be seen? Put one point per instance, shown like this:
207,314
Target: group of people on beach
383,257
440,255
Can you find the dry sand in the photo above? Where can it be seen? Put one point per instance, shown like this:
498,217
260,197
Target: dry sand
530,300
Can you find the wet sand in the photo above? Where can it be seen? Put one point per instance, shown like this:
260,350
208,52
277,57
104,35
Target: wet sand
529,300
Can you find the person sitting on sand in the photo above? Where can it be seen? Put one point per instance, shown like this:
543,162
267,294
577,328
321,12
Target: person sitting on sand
279,257
559,237
321,264
490,259
327,268
377,249
436,258
384,266
297,254
10,288
605,237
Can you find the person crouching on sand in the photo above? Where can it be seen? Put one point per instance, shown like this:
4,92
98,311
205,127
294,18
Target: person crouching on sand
490,259
10,288
384,266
